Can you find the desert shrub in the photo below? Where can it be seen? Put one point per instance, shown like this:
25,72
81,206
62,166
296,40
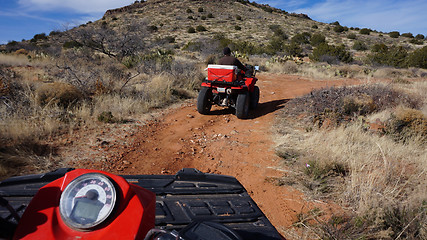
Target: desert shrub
341,104
210,15
200,28
293,49
317,39
61,94
237,28
106,117
301,38
407,123
418,58
275,45
365,31
203,17
351,36
37,37
191,30
420,37
336,23
394,34
238,17
416,41
200,9
379,47
359,46
55,33
408,35
152,28
314,26
331,54
393,56
189,10
339,29
190,17
278,33
72,44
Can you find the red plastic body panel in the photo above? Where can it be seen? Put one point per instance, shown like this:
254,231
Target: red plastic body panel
132,218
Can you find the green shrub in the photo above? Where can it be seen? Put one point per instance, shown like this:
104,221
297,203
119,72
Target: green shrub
331,54
379,47
336,23
278,31
40,36
317,39
72,44
352,36
420,36
189,11
152,28
203,17
293,49
106,117
237,28
210,15
191,30
393,56
416,41
54,33
314,26
190,17
302,38
394,34
238,17
200,28
418,58
339,29
200,9
359,46
407,35
365,31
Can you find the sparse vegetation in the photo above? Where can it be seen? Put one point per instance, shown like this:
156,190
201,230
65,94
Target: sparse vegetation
394,34
365,31
357,165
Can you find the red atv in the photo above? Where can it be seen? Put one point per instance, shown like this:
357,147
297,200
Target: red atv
228,86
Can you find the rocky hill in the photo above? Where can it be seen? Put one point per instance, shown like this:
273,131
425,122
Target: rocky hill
192,25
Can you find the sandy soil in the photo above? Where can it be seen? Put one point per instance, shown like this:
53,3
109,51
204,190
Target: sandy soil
180,137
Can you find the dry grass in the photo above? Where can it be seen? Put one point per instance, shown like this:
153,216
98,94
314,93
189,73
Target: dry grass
380,180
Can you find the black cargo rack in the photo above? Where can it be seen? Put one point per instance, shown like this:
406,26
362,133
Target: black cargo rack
182,198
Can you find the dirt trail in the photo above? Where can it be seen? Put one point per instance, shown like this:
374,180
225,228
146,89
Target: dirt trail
219,143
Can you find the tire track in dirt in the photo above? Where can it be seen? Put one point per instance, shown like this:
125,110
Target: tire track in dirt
220,143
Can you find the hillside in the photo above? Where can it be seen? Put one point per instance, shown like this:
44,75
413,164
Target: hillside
250,27
118,94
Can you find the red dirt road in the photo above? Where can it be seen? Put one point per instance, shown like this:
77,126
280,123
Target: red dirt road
218,143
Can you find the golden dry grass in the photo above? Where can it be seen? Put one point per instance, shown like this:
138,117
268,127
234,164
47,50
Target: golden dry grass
380,180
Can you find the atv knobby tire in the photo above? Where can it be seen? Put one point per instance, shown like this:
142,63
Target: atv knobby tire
204,101
242,105
254,98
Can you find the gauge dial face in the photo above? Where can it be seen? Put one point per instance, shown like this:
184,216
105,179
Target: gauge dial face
87,201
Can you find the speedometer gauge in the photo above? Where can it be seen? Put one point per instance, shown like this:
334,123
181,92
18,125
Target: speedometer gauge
87,201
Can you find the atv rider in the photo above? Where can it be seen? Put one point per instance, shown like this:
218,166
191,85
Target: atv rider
230,60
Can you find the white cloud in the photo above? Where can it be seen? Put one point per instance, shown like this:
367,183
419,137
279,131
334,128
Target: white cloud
77,6
382,15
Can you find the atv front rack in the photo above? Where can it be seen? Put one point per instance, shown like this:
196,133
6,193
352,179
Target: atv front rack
188,196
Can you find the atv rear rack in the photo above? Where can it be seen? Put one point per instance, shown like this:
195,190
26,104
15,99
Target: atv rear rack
180,199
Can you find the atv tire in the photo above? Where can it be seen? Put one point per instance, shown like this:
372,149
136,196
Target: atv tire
254,98
242,105
204,101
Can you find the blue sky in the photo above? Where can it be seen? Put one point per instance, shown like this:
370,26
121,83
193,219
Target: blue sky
22,19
